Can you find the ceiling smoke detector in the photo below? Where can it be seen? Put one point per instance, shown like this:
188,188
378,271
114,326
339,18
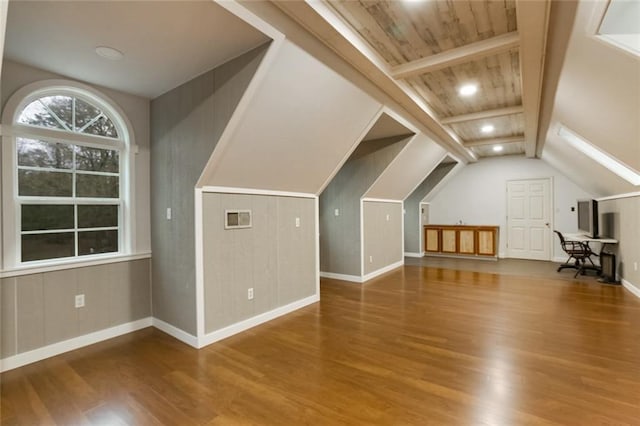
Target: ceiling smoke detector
109,53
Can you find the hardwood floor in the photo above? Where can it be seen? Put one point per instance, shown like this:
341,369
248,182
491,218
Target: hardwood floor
417,346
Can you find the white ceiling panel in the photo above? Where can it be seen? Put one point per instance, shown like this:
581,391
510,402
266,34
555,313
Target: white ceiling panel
165,43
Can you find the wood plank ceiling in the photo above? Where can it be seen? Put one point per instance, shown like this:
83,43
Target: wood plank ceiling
438,46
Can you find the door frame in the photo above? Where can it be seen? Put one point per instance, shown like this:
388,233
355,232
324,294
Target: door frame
551,213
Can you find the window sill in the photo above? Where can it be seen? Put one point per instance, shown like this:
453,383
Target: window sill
70,264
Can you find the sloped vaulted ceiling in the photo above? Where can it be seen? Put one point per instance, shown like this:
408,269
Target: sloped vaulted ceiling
598,98
293,144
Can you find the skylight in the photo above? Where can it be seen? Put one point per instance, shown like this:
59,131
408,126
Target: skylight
611,163
620,25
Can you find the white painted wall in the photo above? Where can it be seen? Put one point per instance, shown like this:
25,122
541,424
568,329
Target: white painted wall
477,195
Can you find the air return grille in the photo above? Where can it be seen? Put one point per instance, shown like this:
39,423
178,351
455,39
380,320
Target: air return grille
236,219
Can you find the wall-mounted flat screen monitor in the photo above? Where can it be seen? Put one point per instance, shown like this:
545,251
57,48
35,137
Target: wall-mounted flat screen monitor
588,218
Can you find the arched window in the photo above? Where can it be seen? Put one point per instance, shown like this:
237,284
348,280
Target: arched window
69,150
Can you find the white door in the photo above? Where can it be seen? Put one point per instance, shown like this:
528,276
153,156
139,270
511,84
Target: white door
424,220
529,219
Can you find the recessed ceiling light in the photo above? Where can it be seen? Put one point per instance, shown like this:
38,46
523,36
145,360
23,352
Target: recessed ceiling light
468,89
487,128
497,148
109,53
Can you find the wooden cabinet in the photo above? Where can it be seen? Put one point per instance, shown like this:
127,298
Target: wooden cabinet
461,240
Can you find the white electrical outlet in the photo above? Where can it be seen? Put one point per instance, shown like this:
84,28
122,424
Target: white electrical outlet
79,300
635,266
370,259
388,217
297,222
168,213
250,294
336,212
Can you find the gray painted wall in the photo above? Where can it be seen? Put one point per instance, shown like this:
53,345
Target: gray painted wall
382,228
186,124
340,235
412,207
39,309
624,226
274,257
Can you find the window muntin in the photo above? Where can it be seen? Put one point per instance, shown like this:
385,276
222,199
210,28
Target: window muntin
68,194
68,113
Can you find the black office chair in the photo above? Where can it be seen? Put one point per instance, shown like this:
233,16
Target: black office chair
579,252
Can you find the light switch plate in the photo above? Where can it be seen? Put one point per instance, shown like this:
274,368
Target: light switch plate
79,300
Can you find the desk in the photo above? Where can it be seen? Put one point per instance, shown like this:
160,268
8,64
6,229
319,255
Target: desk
586,240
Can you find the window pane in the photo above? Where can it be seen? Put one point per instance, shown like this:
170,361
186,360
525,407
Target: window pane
46,184
41,217
62,107
95,186
47,246
97,216
94,242
85,112
36,153
102,127
97,160
35,114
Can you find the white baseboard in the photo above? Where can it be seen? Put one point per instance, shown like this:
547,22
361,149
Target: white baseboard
238,327
559,259
173,331
381,271
54,349
342,277
412,254
631,287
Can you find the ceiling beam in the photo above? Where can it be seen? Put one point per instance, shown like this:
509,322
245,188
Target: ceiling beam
483,114
458,55
494,141
533,21
561,18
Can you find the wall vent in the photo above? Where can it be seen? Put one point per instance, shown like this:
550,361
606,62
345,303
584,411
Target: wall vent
236,219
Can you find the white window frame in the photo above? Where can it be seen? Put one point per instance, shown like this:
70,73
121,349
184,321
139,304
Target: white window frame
11,129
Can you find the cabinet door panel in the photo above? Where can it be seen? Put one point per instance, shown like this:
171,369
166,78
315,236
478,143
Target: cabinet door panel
431,240
449,241
467,241
486,242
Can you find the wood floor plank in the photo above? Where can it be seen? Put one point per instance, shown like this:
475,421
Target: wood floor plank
417,346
